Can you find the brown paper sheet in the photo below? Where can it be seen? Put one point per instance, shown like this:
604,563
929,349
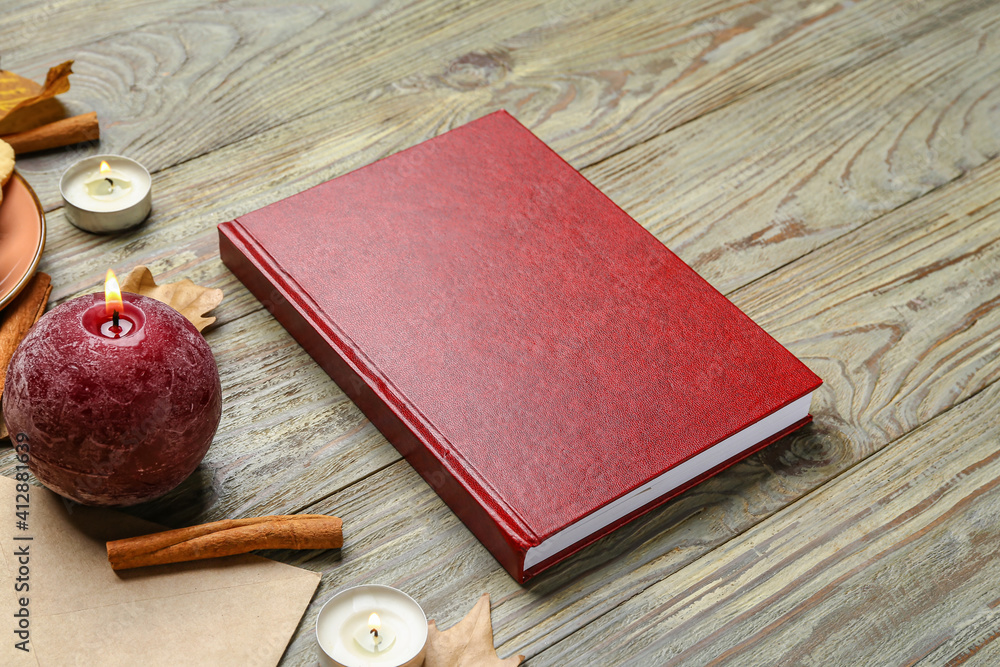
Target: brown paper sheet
238,610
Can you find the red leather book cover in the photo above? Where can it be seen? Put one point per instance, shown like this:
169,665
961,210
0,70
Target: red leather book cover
536,355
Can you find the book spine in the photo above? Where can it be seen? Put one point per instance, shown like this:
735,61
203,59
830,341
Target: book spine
485,518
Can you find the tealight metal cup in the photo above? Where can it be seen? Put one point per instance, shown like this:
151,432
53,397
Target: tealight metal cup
407,606
134,209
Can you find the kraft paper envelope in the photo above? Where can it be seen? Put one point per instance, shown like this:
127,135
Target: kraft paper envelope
238,610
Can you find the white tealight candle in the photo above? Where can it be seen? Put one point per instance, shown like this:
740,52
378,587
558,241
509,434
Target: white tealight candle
371,626
106,193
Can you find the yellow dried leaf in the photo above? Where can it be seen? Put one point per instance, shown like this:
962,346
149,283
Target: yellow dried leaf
24,104
15,89
468,643
190,300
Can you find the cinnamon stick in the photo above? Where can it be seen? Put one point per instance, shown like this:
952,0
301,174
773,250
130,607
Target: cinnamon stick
15,320
56,134
225,538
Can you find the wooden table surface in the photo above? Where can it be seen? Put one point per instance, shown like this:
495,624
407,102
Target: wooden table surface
829,165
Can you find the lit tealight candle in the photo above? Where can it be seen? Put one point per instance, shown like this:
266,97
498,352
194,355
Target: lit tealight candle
106,193
371,626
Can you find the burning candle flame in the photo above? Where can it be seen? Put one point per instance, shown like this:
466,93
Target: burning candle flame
112,295
374,622
105,169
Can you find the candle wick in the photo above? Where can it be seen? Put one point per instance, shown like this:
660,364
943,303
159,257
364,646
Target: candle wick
110,182
375,632
114,319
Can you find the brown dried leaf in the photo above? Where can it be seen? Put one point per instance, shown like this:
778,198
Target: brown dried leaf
190,300
24,104
468,643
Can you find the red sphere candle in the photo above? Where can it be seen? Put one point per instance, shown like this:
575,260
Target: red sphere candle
117,400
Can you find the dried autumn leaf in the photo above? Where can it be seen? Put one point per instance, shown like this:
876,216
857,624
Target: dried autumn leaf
25,105
468,643
190,300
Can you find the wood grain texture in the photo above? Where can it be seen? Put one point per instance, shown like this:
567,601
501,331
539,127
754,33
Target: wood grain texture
895,563
830,165
341,135
528,56
838,150
332,460
183,243
831,580
897,318
251,68
228,182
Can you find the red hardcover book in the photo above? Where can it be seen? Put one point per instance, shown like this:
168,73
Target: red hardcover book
544,362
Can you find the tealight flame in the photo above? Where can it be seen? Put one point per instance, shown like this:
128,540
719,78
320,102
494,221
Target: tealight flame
105,169
112,295
374,623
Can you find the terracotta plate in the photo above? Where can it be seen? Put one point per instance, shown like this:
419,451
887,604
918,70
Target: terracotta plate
22,236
